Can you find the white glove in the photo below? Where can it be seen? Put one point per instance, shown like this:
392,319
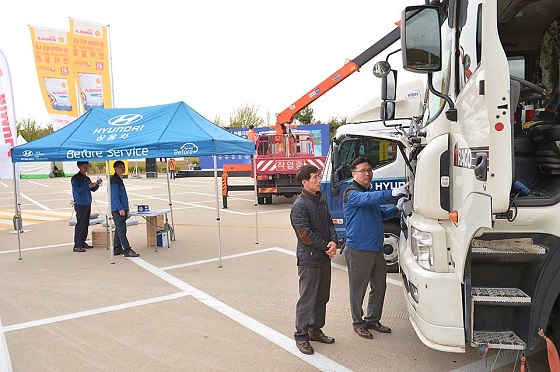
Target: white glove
400,191
401,202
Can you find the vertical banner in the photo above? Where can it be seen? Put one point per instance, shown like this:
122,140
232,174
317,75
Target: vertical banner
8,118
52,59
90,60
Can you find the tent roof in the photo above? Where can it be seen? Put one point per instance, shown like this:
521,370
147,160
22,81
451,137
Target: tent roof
172,130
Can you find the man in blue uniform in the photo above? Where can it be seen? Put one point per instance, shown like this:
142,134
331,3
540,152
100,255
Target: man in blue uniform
364,212
82,187
119,211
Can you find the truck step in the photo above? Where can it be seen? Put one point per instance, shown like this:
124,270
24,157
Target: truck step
498,340
499,295
507,246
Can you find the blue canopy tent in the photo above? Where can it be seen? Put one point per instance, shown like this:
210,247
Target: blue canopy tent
166,131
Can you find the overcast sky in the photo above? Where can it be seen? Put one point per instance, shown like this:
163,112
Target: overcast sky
216,55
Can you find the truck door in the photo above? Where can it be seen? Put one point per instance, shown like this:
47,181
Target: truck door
482,149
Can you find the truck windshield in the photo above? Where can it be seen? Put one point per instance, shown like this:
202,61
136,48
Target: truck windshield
379,152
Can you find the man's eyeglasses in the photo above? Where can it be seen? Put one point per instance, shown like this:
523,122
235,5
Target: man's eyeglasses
363,171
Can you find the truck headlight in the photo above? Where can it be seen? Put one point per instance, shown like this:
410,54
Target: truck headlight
422,248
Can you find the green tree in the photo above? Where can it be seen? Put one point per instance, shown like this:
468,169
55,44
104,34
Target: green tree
334,123
30,130
305,116
218,121
245,116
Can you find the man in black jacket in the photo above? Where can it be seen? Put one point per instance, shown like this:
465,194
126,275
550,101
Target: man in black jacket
316,247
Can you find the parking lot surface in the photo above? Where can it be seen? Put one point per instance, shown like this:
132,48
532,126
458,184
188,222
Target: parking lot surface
221,298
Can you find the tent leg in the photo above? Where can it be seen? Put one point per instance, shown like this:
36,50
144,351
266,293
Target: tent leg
17,212
108,215
256,200
172,234
217,210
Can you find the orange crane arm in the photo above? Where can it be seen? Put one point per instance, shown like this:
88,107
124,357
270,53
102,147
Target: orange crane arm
287,116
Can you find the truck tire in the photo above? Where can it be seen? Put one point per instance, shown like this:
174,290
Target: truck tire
391,245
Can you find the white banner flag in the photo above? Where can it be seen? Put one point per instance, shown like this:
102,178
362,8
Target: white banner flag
8,119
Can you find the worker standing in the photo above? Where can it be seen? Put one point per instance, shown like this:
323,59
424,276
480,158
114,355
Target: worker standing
251,134
172,164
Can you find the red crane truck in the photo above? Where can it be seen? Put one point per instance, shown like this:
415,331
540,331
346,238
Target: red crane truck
282,152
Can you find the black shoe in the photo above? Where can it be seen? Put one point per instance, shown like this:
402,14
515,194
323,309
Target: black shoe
118,251
378,327
79,249
321,337
87,246
130,253
363,332
305,347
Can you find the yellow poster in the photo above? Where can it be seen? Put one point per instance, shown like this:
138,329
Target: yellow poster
54,70
90,63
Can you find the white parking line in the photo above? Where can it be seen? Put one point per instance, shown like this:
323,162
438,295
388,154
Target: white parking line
35,202
317,360
5,362
81,314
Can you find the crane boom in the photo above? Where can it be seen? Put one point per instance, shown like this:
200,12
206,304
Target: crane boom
287,116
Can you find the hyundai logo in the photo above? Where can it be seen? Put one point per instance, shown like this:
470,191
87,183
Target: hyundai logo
127,119
27,153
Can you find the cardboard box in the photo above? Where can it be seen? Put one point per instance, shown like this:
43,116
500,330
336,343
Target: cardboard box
100,237
153,224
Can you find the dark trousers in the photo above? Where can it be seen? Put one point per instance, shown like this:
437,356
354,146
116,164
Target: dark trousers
366,267
83,213
172,174
120,239
314,293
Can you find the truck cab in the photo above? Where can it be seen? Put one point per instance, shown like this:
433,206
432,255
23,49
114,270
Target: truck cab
480,245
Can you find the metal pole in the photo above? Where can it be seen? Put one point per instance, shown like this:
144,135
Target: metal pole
172,237
109,215
217,211
256,199
17,212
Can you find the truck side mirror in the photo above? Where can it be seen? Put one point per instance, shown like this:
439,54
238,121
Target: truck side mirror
388,96
387,111
389,86
421,39
334,164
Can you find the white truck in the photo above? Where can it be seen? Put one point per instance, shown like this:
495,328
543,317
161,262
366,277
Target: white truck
480,245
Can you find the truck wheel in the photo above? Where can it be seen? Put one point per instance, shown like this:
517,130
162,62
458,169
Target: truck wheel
391,245
268,199
260,200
